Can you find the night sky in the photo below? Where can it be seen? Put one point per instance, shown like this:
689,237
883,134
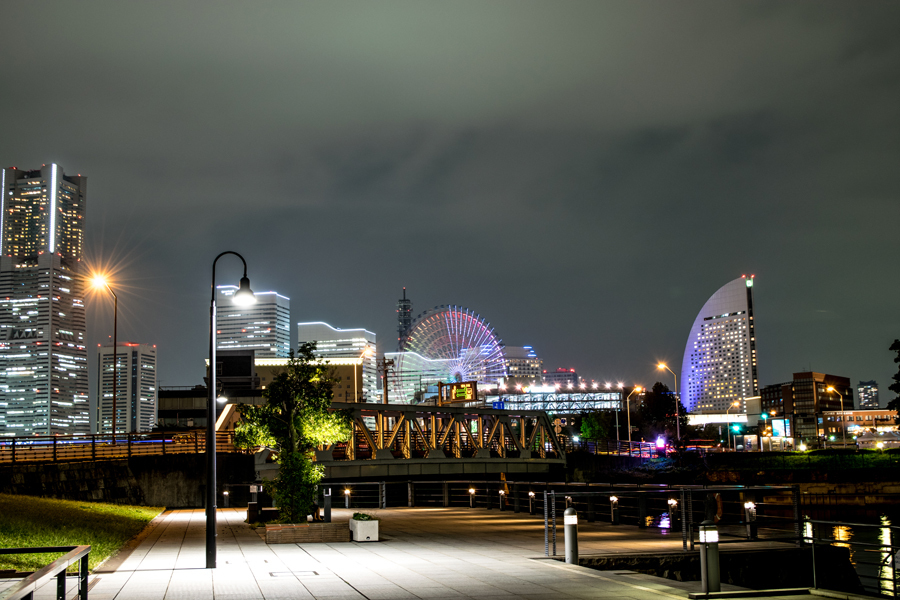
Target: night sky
582,174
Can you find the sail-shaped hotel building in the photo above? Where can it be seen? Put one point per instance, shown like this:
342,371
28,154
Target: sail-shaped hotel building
719,366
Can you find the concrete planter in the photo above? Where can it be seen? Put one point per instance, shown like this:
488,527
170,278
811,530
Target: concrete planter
304,533
364,531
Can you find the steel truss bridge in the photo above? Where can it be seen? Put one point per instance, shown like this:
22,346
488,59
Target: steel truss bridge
409,440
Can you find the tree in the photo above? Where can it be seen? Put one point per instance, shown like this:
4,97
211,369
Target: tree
295,420
656,413
596,425
895,387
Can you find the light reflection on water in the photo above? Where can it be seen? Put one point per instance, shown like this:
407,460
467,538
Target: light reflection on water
869,561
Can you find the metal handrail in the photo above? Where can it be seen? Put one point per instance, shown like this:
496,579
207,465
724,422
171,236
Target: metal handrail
25,589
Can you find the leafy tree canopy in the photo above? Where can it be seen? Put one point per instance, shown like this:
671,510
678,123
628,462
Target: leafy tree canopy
657,413
895,387
294,421
597,425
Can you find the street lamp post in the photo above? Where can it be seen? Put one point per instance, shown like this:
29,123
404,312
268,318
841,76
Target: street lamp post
733,404
677,400
843,418
100,282
628,410
242,297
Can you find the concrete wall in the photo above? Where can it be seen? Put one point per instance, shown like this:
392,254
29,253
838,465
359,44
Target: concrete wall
173,481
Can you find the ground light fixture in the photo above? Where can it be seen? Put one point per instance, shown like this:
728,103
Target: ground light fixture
243,297
802,447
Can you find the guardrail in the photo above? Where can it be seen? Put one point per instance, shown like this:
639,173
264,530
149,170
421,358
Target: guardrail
875,561
57,569
36,449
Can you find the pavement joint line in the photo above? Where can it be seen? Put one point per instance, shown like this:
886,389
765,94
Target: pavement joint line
569,567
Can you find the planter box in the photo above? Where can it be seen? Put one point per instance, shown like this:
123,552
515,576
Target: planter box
364,531
306,533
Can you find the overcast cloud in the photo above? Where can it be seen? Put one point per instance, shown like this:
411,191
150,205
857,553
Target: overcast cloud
583,174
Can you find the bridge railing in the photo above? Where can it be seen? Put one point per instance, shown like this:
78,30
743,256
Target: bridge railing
57,448
399,431
25,589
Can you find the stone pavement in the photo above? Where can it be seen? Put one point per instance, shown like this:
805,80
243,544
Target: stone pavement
428,553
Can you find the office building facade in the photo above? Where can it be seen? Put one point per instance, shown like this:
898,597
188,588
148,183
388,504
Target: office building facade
333,343
263,327
719,364
867,392
523,365
562,378
43,357
136,403
795,408
404,319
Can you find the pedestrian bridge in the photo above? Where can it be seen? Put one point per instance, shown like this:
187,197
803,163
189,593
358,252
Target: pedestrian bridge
402,440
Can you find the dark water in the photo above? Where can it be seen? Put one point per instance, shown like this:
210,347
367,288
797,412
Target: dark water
869,534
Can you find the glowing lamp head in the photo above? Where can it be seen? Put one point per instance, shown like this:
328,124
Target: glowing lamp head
531,494
661,366
244,296
502,492
613,498
347,492
660,442
575,438
880,445
830,389
221,399
99,282
638,389
472,491
673,502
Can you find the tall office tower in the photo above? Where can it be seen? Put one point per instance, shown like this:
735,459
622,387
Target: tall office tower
263,327
356,344
404,319
43,358
719,366
868,395
136,395
523,364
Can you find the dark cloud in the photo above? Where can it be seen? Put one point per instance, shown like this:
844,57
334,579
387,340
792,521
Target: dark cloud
582,174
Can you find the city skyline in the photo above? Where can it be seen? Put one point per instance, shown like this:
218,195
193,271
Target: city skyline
584,177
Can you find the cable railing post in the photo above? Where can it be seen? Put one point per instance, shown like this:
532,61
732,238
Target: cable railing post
14,450
61,585
129,444
684,509
553,509
546,528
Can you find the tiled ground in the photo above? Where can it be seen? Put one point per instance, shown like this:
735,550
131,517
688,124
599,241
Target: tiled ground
428,553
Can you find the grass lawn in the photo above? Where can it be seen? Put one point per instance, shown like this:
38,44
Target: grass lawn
27,521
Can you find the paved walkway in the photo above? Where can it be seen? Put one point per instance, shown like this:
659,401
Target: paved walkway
428,553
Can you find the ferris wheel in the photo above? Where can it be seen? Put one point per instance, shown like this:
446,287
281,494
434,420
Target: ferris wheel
466,344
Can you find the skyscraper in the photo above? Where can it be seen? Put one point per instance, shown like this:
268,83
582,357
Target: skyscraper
355,344
136,395
263,327
43,358
522,364
719,366
404,319
868,395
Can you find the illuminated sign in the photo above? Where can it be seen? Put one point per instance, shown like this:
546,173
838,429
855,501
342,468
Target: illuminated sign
465,391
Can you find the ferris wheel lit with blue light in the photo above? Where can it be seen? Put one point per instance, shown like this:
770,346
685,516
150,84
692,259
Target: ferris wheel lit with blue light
462,340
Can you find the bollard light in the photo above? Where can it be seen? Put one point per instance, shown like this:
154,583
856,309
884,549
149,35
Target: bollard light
531,502
673,503
750,519
749,505
471,497
346,497
570,519
709,534
502,496
710,577
225,497
614,509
